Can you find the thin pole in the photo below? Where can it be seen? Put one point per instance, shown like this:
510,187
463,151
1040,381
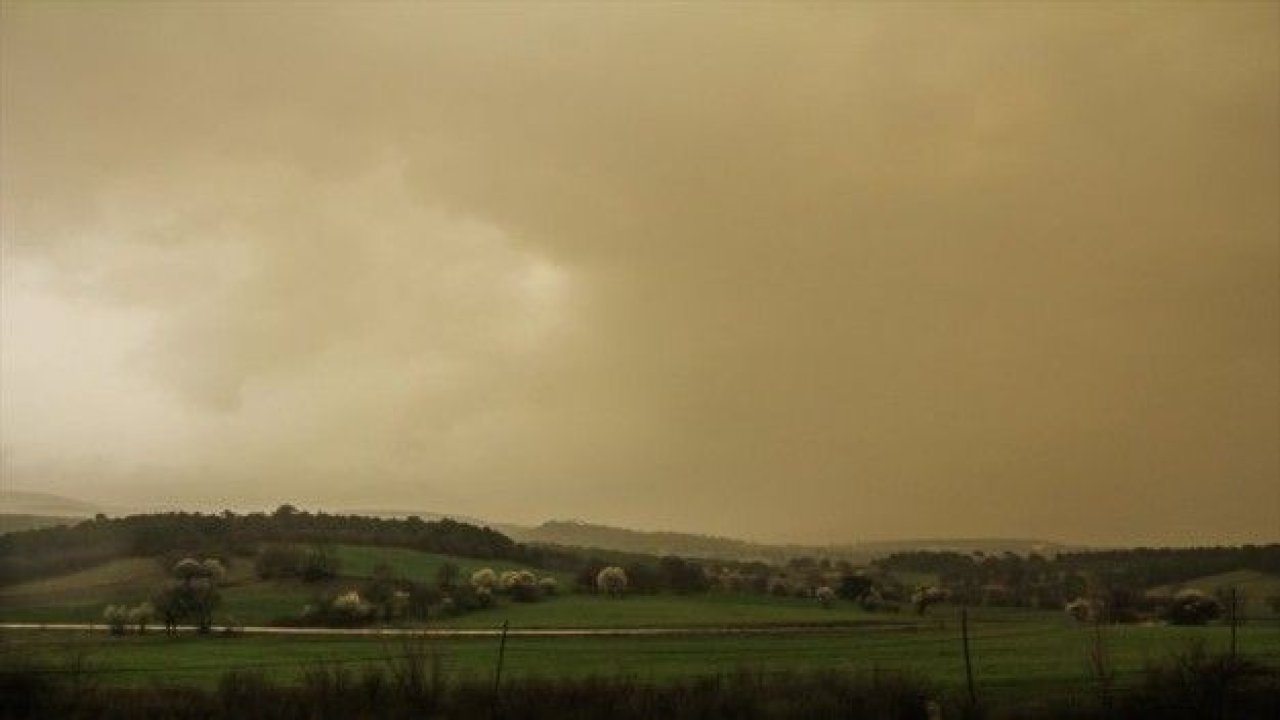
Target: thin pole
502,651
968,661
1235,605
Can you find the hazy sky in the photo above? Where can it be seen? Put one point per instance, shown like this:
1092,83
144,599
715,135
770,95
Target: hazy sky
808,272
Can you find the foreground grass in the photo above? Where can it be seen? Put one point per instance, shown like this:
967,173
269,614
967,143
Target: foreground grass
1010,658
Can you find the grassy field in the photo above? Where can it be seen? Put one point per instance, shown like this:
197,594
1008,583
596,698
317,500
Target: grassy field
1017,653
81,597
1015,658
360,560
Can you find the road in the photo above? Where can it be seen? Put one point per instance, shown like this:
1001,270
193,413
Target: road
495,632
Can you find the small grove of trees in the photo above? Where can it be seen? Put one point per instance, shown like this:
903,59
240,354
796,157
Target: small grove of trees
120,618
1192,607
313,563
51,551
388,597
192,595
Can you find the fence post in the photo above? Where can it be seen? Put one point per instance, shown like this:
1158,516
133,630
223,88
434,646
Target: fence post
968,661
497,675
1235,620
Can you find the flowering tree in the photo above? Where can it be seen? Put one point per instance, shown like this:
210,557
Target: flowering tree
612,581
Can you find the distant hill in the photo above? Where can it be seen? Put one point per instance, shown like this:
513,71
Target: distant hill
401,514
581,534
17,523
20,502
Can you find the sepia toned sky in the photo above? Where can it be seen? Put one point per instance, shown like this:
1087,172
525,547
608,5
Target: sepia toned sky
819,272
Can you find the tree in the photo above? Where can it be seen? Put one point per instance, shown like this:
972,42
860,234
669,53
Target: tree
925,596
854,587
117,618
140,615
523,587
549,585
319,563
1192,607
682,576
447,576
612,581
1080,609
278,561
193,595
484,578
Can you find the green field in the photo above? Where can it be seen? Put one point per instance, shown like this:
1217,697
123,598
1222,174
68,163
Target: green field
1018,654
1020,657
81,597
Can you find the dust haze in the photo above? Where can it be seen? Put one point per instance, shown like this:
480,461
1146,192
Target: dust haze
817,273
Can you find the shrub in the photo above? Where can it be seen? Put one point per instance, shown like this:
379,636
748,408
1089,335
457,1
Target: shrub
117,618
825,595
140,615
318,563
926,596
1080,609
1192,607
484,578
612,581
278,561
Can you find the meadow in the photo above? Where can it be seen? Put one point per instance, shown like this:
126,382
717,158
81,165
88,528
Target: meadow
1019,656
1013,657
246,600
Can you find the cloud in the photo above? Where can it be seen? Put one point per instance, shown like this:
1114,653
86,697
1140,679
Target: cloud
825,272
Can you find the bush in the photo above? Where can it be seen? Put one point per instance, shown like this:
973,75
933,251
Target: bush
612,581
926,596
318,563
1192,607
484,578
1197,684
117,618
278,562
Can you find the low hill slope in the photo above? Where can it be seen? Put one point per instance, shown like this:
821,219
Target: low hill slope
572,533
1253,586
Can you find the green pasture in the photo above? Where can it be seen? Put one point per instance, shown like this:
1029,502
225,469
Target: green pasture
1011,658
360,561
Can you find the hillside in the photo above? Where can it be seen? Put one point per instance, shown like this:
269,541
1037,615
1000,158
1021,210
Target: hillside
575,533
18,523
20,502
1253,586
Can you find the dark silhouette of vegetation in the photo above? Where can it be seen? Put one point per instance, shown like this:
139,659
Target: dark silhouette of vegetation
191,597
1118,578
56,550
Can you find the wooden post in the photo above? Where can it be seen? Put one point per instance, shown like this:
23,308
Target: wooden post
1235,605
497,675
968,661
